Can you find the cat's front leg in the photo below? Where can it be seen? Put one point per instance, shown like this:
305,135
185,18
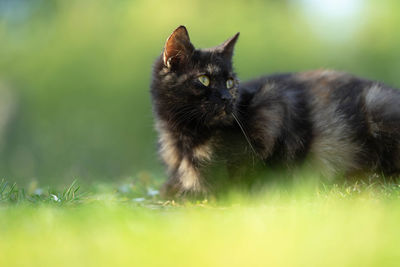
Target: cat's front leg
185,180
185,170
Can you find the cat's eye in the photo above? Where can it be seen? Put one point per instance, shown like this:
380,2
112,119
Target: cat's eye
204,80
229,83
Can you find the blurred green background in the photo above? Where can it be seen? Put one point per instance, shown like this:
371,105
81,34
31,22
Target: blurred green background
75,75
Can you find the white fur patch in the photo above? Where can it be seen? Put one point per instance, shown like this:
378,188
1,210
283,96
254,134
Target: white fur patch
167,61
375,95
168,152
189,177
203,152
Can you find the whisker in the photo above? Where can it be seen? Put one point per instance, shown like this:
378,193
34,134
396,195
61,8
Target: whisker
244,133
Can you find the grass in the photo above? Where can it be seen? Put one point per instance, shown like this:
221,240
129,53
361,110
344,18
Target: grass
77,76
127,225
10,193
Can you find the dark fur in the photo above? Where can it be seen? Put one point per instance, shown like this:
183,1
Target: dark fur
343,123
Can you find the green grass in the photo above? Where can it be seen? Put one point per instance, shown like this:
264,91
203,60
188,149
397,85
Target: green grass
127,225
74,81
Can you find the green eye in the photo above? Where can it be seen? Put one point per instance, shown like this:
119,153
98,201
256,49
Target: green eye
229,83
204,80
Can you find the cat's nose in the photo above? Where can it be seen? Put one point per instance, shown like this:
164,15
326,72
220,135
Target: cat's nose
225,95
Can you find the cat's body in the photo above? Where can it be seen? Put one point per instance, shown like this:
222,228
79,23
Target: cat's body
344,123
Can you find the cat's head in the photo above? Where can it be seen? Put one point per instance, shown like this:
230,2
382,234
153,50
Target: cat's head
196,85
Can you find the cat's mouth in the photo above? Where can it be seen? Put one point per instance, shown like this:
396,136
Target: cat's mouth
223,115
228,109
219,114
224,110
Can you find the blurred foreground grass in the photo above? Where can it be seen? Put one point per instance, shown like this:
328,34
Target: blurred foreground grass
109,225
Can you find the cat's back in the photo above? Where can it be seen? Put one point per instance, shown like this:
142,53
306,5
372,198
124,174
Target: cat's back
341,119
322,92
323,85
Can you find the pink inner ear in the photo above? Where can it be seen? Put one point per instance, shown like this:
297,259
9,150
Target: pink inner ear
174,50
178,47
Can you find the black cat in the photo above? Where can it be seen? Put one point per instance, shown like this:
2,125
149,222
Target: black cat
344,123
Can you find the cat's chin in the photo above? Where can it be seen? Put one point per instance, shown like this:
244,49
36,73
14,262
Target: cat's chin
223,118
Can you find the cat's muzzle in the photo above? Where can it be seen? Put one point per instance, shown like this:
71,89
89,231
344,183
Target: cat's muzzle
228,108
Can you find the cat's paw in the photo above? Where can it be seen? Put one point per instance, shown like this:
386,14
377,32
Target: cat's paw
176,191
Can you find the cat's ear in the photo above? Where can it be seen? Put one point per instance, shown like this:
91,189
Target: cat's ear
228,46
178,48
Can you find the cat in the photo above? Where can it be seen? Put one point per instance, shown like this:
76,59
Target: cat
345,123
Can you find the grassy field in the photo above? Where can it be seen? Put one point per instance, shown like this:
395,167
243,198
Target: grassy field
74,102
127,225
